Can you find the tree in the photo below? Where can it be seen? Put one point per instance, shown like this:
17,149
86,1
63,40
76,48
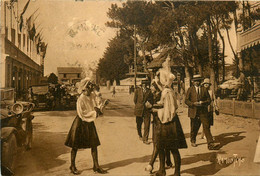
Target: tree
112,66
139,14
53,79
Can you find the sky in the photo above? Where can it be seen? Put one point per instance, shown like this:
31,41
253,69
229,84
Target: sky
75,31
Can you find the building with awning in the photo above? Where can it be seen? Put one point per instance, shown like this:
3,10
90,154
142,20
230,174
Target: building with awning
248,48
249,38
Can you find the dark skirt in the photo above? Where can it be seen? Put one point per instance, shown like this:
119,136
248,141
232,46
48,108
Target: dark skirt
171,135
82,135
211,118
156,128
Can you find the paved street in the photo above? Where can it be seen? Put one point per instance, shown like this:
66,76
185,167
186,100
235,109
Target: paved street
122,153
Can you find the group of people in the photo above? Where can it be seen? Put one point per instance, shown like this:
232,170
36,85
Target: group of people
158,101
154,101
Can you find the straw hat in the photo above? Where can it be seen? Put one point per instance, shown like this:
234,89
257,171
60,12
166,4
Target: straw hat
83,84
206,81
197,78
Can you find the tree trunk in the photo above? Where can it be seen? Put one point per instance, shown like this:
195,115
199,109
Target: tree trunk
223,56
212,73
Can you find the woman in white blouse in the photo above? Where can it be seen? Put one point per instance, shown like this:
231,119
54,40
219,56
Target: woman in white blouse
83,132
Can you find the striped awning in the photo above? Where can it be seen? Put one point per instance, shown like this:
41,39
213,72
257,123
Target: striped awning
249,38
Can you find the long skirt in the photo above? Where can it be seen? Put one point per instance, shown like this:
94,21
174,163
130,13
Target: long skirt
171,135
82,135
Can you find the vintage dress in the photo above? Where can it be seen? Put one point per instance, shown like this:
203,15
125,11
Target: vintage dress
171,135
83,132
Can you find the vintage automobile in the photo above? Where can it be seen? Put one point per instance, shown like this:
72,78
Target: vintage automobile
69,97
234,89
42,96
16,128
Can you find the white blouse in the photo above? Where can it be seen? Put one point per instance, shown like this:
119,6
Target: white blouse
85,107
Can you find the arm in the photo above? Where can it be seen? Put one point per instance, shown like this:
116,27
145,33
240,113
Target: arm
135,96
187,98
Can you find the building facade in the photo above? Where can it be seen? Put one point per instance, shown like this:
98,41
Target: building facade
20,64
69,75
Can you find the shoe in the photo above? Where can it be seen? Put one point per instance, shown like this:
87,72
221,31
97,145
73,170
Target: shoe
193,144
149,168
146,142
213,146
160,173
168,165
74,170
99,170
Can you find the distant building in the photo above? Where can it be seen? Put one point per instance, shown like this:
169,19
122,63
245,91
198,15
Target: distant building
70,75
21,65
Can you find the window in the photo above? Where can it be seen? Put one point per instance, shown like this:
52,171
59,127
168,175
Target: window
23,40
64,75
78,75
19,41
12,35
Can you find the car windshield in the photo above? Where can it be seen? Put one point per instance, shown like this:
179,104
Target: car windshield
40,89
7,95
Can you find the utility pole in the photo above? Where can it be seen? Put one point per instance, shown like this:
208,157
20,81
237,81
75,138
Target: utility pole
135,65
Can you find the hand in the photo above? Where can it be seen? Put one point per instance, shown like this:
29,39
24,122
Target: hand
154,110
148,105
196,103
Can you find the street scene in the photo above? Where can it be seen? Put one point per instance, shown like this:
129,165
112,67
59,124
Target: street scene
130,87
122,153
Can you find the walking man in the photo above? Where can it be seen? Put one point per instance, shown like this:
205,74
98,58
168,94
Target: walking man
198,99
143,99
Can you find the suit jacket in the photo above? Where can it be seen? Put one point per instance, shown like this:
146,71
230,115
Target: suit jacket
192,97
140,98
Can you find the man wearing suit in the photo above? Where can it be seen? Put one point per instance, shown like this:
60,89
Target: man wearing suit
143,99
198,99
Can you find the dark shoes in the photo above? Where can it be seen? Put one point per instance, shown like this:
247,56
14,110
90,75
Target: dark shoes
160,173
213,146
146,142
193,144
99,170
168,164
74,170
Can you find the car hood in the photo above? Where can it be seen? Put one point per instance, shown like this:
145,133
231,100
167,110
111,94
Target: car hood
5,113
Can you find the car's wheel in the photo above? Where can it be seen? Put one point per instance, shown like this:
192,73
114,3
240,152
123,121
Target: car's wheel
9,151
29,134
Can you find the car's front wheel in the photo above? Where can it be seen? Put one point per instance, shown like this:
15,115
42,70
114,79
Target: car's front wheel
9,152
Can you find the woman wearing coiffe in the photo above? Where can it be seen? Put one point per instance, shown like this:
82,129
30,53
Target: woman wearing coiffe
83,132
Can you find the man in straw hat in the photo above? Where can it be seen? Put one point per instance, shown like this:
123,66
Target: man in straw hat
198,99
83,132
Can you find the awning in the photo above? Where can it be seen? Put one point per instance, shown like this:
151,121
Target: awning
137,73
249,38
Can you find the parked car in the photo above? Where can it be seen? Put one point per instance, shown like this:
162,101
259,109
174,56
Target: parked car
69,96
42,96
16,128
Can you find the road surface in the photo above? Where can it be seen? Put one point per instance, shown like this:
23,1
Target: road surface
122,153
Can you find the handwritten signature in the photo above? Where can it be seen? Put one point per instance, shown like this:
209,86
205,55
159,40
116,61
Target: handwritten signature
81,46
229,160
85,26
